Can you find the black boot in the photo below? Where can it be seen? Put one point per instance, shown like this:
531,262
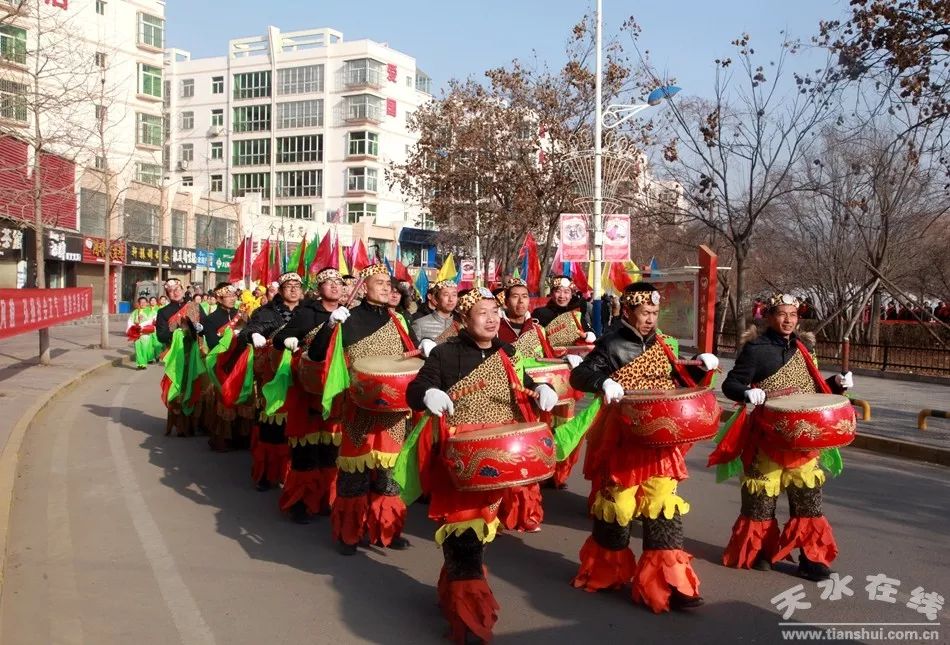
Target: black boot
399,543
680,601
346,549
810,570
299,513
263,486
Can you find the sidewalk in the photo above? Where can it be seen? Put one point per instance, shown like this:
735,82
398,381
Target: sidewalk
74,349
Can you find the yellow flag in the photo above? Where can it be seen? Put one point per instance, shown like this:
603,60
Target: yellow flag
448,271
341,260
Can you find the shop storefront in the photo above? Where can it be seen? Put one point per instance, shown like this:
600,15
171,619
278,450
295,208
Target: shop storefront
142,264
12,261
89,272
222,264
62,253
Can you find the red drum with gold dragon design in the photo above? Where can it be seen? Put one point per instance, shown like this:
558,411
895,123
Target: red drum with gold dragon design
379,383
660,418
494,458
808,421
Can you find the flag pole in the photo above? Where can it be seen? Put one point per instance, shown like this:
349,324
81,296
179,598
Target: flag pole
598,186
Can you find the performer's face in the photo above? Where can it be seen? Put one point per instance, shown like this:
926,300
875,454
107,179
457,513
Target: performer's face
642,318
482,320
395,297
517,302
227,300
143,303
562,296
446,299
331,290
153,301
378,289
175,292
346,289
291,291
784,319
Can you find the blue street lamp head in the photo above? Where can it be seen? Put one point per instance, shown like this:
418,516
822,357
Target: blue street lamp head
660,93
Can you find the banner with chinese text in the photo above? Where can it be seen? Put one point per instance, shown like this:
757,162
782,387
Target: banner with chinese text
24,310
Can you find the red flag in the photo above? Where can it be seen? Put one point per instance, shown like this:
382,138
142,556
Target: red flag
273,263
619,276
238,263
259,268
529,250
325,257
400,272
359,260
557,267
301,267
579,277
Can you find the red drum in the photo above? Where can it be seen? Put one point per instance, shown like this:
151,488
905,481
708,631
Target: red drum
266,362
660,418
558,376
576,350
379,383
310,375
807,422
512,454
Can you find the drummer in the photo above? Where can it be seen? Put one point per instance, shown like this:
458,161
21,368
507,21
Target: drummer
778,358
629,480
367,501
269,448
310,487
225,315
564,325
448,384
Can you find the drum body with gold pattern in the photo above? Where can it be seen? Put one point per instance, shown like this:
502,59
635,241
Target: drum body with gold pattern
493,458
557,376
659,418
379,383
809,421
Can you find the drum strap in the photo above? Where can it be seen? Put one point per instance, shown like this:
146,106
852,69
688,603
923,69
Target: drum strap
681,372
406,341
813,369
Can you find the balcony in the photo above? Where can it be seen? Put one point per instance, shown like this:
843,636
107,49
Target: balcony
363,109
363,74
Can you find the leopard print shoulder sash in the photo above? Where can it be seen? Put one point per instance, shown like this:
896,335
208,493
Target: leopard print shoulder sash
484,395
793,374
649,371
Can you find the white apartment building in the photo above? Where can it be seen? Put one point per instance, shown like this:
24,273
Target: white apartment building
305,120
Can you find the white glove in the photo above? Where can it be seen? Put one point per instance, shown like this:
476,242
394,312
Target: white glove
426,345
613,391
547,397
437,402
590,337
710,361
845,381
340,314
258,341
199,327
755,396
291,343
573,360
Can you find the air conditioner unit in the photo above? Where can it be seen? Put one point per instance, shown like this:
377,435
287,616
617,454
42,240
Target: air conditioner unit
182,165
216,131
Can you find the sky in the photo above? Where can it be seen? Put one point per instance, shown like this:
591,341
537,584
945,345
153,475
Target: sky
452,39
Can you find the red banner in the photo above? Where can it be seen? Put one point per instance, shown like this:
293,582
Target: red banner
616,238
574,237
23,310
390,107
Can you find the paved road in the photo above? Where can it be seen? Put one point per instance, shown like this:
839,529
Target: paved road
121,535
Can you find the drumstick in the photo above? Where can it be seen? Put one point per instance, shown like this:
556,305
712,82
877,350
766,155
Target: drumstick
413,353
643,392
356,288
475,387
689,362
785,391
845,356
517,387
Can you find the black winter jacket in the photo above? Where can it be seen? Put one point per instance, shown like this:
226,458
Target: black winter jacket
365,319
266,320
308,315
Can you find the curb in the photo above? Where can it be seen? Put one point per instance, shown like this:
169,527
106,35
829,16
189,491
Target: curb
10,456
903,449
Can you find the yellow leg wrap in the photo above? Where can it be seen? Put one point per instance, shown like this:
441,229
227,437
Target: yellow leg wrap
371,460
807,475
769,480
485,531
615,505
658,495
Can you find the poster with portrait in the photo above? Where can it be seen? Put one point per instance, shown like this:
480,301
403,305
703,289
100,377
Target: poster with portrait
574,237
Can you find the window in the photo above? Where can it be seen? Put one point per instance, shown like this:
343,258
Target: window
100,113
408,81
187,88
100,163
307,148
100,59
252,182
217,85
12,100
187,120
423,82
214,232
252,85
149,130
300,114
364,71
101,7
363,106
217,183
265,210
92,212
295,211
217,150
187,181
252,118
148,173
362,143
300,80
300,183
178,227
141,221
13,44
150,80
355,211
217,117
361,179
151,31
251,152
186,152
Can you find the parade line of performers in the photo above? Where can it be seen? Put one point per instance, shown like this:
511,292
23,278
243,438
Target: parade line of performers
355,412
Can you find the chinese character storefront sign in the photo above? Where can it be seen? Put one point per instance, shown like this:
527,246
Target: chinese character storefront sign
23,310
94,251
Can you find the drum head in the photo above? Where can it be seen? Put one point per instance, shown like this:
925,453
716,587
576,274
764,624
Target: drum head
806,401
502,430
387,365
665,395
